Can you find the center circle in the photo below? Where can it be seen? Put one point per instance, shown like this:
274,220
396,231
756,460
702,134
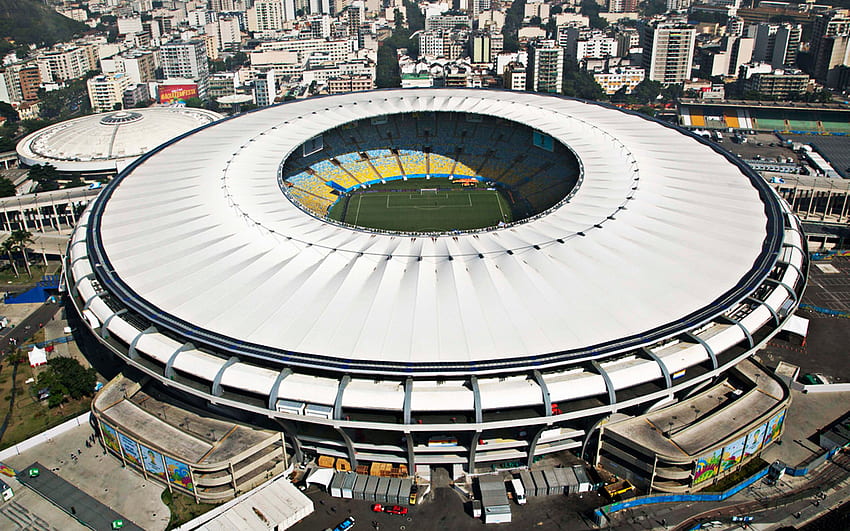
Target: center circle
430,172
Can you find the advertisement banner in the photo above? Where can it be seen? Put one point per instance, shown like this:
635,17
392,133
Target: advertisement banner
153,462
110,438
732,454
177,93
178,473
131,450
707,466
754,440
774,428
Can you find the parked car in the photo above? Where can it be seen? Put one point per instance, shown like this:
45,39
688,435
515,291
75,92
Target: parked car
395,509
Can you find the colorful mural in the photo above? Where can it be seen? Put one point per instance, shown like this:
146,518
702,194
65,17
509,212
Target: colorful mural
131,450
707,466
153,462
110,438
754,441
774,428
732,454
178,473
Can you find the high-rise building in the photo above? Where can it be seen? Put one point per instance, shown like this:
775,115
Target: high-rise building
622,6
107,90
668,51
10,86
66,62
480,49
828,43
186,59
30,80
777,44
269,15
545,72
581,43
139,65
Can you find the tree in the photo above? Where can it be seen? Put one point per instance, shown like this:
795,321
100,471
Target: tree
580,83
646,91
8,246
21,238
387,73
7,188
8,112
65,377
43,173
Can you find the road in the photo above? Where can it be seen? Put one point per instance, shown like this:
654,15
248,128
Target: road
29,325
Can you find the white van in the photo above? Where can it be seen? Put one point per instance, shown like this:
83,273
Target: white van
519,491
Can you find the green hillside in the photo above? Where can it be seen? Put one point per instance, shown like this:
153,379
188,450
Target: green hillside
31,22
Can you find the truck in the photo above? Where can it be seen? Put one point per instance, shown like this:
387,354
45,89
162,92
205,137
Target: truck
519,491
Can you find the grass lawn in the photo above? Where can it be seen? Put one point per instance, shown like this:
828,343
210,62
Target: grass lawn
29,416
415,206
8,275
183,508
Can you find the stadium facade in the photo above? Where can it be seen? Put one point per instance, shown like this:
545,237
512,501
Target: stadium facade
647,282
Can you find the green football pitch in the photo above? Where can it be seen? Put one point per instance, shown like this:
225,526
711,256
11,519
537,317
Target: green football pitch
424,210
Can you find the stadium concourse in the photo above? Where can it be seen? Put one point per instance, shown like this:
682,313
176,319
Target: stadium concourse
641,269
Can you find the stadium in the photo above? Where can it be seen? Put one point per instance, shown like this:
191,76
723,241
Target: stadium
100,145
632,268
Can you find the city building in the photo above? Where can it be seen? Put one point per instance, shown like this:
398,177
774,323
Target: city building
545,71
269,15
106,91
135,95
66,62
777,44
350,83
186,59
618,77
583,43
30,80
138,65
448,22
668,51
775,83
514,76
829,43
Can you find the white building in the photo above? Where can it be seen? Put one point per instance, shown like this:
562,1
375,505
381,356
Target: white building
186,59
545,72
107,90
618,77
129,25
668,51
139,65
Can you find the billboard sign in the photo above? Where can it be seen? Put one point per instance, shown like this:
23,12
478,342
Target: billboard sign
131,450
178,473
732,454
110,438
153,462
707,466
177,93
774,428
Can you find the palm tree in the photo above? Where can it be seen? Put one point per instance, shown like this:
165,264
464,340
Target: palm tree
20,239
7,247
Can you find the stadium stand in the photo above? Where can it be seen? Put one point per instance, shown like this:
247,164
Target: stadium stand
440,144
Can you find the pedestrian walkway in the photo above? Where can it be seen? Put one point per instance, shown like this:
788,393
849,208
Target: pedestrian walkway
72,500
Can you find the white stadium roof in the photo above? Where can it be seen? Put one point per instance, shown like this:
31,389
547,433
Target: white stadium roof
660,234
109,141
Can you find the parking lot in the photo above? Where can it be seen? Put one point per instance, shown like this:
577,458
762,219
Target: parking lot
825,349
446,508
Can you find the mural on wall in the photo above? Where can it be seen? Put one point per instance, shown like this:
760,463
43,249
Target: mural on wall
178,473
774,428
707,466
153,462
110,437
754,441
733,454
131,450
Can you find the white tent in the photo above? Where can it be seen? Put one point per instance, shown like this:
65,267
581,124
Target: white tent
38,356
797,325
